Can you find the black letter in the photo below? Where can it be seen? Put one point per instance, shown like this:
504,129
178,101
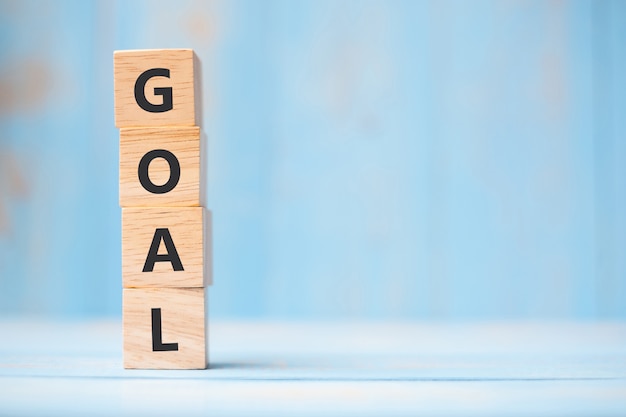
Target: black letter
140,95
171,256
144,179
157,336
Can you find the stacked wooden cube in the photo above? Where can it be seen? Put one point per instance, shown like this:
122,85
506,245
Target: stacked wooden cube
166,239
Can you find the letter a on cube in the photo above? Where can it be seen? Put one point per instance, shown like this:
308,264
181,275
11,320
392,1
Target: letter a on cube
166,247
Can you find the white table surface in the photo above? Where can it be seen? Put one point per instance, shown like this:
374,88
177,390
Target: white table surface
323,368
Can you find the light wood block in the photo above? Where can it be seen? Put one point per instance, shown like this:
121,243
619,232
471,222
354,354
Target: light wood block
190,231
185,148
181,341
132,68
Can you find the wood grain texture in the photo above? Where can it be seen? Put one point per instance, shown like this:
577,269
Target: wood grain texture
183,321
129,65
190,230
184,143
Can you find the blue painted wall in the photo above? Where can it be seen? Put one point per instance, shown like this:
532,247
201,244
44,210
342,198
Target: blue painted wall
368,159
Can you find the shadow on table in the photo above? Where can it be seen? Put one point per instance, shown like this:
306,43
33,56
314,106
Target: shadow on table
247,365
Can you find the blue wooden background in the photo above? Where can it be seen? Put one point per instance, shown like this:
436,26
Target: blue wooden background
368,159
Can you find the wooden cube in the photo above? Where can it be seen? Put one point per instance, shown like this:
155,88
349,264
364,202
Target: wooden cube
156,87
161,167
166,247
165,328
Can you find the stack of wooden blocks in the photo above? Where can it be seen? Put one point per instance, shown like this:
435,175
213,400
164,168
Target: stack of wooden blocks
166,229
